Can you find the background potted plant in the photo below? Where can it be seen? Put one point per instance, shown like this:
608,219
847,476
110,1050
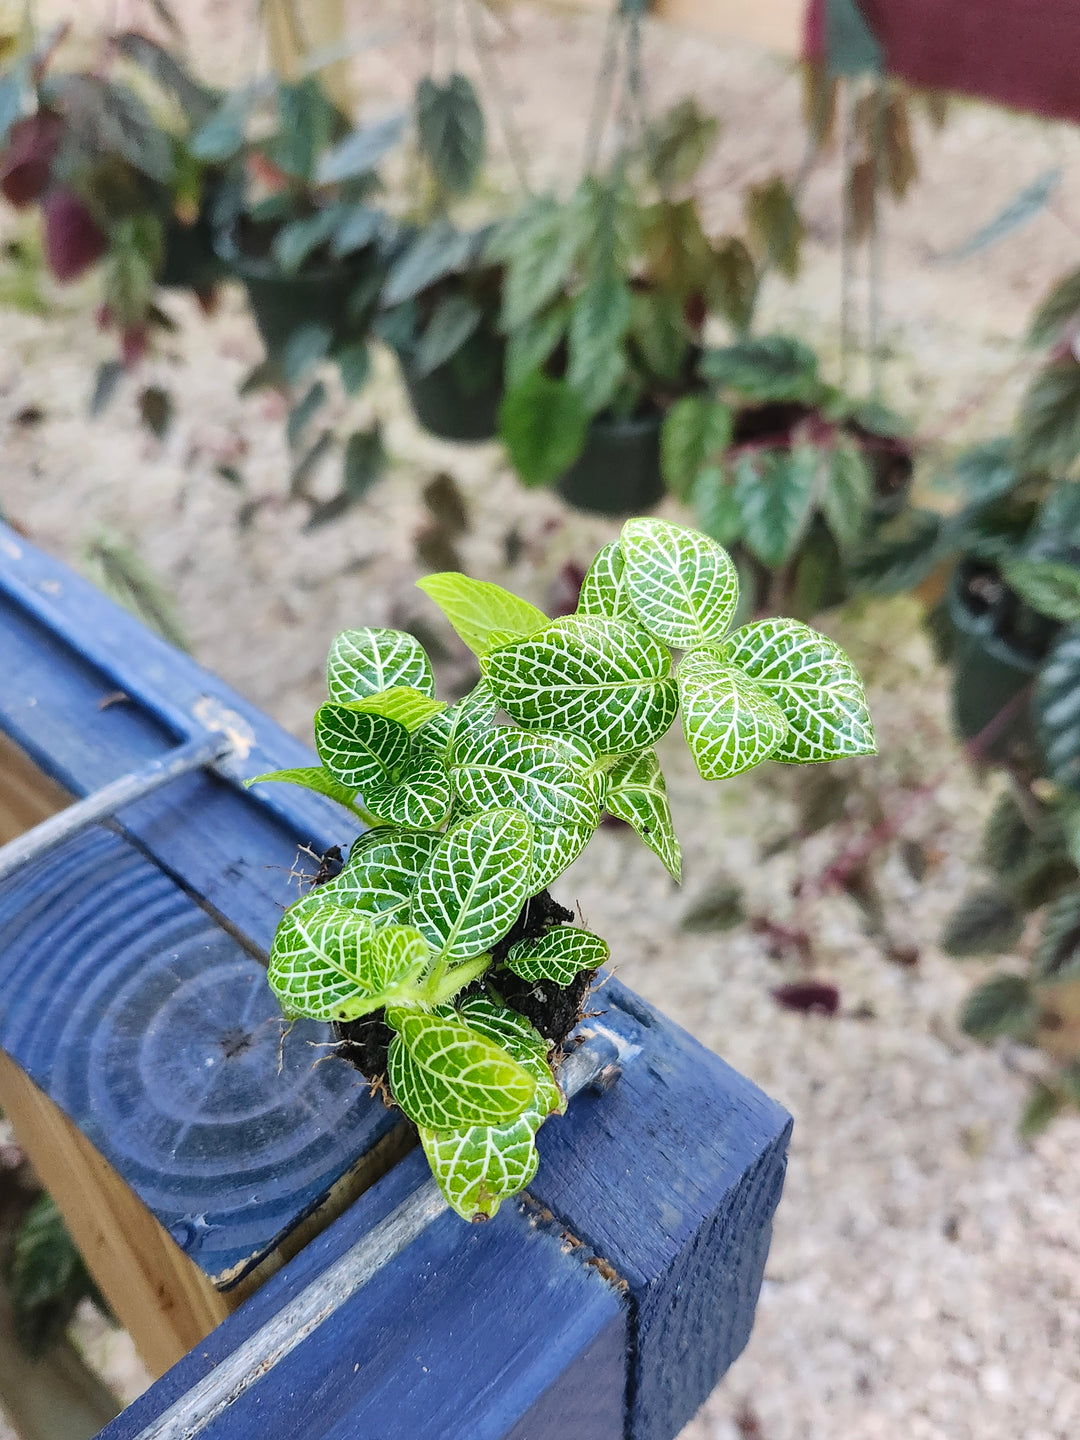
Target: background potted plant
451,974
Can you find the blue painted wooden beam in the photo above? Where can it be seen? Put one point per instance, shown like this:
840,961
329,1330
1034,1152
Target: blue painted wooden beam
489,1332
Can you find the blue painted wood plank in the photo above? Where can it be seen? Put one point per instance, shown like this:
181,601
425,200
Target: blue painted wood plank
485,1332
672,1176
157,1034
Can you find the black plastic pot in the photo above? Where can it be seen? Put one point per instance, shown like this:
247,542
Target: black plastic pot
618,472
460,399
999,644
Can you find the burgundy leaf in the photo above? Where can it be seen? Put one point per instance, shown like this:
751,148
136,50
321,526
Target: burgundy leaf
808,997
73,241
565,590
27,162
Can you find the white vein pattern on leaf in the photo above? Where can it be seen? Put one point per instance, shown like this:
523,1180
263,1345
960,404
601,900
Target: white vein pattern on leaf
683,586
555,847
517,767
606,679
559,955
476,882
314,961
473,714
422,796
731,724
362,662
445,1075
637,793
603,591
356,747
813,682
381,874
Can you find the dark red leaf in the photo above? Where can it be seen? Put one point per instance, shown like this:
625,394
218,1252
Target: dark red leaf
565,590
27,161
73,241
808,997
134,342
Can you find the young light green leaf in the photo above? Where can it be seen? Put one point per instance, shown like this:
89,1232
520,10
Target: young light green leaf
847,495
814,684
730,723
403,703
775,491
479,1166
358,749
472,715
603,591
696,433
312,777
445,1075
605,679
555,847
506,1027
316,965
683,586
420,795
513,767
470,894
364,662
397,954
637,794
381,873
559,955
477,608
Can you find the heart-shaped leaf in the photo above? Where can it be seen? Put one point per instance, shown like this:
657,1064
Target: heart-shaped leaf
420,795
363,662
683,586
730,723
513,767
814,684
477,608
316,965
381,873
445,1075
607,680
409,707
359,749
559,955
637,794
476,883
451,127
603,591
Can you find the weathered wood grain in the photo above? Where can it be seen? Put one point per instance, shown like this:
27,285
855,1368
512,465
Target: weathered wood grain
27,796
488,1332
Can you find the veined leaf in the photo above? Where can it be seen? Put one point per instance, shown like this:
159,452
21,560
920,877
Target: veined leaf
696,432
603,591
330,963
1049,429
312,777
775,491
420,795
381,873
730,723
472,715
555,848
358,749
683,586
814,684
608,680
846,497
540,249
559,955
477,608
445,1075
716,510
529,346
403,703
471,892
1057,709
1050,586
510,1029
599,320
364,662
514,767
451,126
637,794
774,367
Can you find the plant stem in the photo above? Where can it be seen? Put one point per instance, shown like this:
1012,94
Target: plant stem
443,985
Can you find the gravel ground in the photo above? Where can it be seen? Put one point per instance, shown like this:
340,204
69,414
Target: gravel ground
925,1275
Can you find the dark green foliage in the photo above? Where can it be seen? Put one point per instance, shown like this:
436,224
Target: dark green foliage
543,423
678,142
899,555
46,1278
1059,310
1057,955
1057,710
986,922
451,127
776,367
1049,431
1003,1006
1041,1107
775,226
718,908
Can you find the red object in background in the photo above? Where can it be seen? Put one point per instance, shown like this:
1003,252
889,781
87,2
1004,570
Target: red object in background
73,241
1023,53
26,164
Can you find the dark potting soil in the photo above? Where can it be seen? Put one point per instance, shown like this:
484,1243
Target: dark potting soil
554,1010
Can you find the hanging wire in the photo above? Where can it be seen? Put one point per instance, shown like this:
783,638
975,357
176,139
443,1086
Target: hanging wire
515,147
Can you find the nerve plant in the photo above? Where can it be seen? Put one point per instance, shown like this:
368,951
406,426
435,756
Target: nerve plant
435,943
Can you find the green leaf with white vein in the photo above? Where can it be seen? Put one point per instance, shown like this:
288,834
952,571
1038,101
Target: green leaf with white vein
445,1075
847,496
603,591
477,608
420,795
473,714
363,662
558,955
508,1028
683,585
479,1166
513,767
637,794
730,723
317,965
403,703
311,777
381,873
477,881
359,749
607,680
814,684
555,848
775,491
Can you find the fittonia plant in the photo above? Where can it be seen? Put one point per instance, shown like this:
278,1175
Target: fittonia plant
471,819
